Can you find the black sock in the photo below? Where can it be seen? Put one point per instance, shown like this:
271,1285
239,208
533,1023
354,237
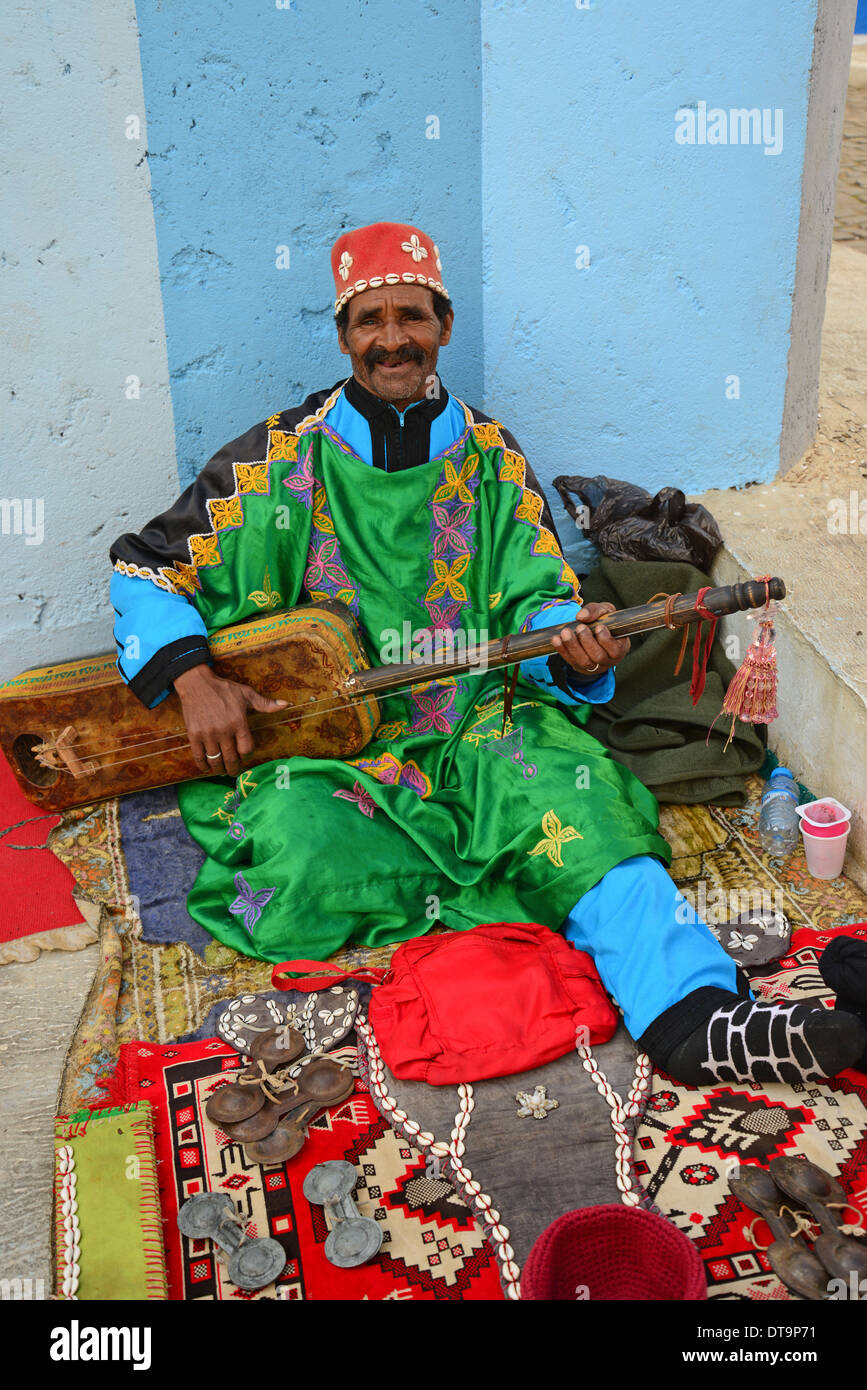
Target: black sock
843,966
743,1041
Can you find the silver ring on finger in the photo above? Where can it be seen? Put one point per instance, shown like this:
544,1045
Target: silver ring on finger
213,757
593,668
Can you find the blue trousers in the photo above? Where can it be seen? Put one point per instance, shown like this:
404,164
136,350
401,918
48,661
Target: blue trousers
646,957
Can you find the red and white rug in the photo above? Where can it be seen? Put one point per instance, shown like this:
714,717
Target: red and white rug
432,1247
692,1140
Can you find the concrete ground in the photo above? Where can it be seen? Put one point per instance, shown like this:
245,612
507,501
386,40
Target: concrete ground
40,1001
850,213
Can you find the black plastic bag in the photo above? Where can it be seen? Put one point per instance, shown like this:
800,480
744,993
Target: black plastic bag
628,524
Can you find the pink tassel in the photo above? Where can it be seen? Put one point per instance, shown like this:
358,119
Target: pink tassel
752,694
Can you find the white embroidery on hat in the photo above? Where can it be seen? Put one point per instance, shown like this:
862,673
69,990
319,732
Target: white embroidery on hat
414,247
345,263
439,262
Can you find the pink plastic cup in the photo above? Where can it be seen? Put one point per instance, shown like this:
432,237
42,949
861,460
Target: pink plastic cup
825,828
825,853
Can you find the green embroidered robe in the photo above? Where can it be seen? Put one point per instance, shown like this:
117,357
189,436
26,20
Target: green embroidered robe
439,818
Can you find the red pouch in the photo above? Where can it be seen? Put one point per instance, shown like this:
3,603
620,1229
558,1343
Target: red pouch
491,1001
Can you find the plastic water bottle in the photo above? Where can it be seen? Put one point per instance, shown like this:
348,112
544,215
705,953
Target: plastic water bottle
778,819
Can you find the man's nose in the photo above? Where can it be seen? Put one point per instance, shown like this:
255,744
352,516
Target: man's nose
393,335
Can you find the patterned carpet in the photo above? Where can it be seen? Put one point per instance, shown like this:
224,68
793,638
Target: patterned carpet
159,993
432,1248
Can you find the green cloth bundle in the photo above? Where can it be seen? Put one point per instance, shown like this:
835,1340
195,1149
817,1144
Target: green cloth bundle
108,1238
651,726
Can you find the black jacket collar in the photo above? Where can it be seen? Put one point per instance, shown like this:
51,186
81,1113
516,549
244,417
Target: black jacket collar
396,445
371,406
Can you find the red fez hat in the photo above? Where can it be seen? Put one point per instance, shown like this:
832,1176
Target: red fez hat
385,253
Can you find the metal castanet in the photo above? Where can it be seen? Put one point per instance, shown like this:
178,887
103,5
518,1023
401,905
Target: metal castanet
74,734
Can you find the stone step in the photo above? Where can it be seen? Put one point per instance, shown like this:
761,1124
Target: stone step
793,532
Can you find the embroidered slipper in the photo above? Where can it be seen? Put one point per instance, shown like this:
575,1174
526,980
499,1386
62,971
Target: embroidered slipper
324,1017
792,1261
323,1080
755,938
247,1016
822,1195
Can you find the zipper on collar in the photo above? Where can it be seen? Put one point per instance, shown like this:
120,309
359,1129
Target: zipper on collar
401,417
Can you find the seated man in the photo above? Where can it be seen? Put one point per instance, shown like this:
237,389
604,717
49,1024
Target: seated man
390,494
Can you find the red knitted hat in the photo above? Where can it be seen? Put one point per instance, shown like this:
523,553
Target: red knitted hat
385,253
612,1253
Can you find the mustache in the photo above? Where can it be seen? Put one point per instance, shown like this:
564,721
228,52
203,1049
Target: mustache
377,355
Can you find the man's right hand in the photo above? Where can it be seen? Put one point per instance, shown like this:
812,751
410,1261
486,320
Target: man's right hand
215,713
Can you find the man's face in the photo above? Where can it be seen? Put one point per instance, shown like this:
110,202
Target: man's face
392,338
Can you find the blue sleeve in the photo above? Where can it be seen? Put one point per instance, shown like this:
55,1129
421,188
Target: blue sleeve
538,670
158,635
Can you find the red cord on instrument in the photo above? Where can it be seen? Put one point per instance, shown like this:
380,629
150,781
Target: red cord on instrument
700,657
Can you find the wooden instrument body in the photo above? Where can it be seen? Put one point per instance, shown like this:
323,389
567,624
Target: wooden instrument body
116,745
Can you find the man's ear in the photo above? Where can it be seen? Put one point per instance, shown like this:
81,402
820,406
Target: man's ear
341,342
446,330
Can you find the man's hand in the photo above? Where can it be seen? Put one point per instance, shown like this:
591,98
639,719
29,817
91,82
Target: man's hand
215,713
587,652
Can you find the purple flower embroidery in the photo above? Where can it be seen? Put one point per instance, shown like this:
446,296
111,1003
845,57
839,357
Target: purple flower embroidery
250,903
366,803
433,711
444,615
414,779
452,531
324,564
301,481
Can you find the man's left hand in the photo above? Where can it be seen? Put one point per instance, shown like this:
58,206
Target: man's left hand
590,652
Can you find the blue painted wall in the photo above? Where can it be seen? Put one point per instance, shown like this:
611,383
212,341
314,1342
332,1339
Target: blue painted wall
621,367
86,415
272,127
861,17
276,127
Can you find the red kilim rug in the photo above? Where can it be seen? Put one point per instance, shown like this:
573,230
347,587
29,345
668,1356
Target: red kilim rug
431,1248
37,888
691,1140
